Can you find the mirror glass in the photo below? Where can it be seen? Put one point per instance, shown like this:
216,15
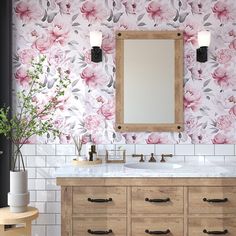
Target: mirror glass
149,81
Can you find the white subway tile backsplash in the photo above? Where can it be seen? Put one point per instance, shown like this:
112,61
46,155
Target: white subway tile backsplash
46,149
230,159
214,160
129,149
55,161
53,207
145,149
65,149
226,149
36,161
101,148
58,219
195,159
36,184
51,184
53,230
41,206
44,196
184,149
46,219
28,149
32,196
204,149
39,230
45,172
164,149
58,196
31,173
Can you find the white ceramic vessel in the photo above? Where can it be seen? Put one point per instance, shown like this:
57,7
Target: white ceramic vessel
18,197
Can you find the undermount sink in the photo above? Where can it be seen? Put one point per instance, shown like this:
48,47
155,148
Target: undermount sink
153,166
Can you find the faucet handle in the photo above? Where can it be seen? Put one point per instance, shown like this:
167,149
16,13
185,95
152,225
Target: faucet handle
139,155
152,158
165,155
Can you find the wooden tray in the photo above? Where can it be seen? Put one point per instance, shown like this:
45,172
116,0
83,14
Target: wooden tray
86,163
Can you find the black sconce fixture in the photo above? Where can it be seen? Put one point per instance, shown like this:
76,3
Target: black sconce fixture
204,38
96,42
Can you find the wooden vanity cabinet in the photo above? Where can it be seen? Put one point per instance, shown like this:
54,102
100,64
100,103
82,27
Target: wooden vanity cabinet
148,206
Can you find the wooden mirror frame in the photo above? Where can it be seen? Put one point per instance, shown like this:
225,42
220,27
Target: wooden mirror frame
177,126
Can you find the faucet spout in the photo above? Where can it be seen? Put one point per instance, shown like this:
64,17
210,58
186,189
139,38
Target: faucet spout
165,155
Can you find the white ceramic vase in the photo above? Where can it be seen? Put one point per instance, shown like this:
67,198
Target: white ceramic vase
18,197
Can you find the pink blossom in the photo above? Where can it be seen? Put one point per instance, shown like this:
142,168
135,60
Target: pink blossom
190,29
132,138
132,6
108,44
220,139
159,11
65,138
92,122
26,56
224,11
232,45
155,138
232,111
199,6
56,56
199,136
28,11
224,78
42,44
189,58
65,7
224,122
223,56
191,123
192,97
198,72
92,12
22,77
108,110
93,78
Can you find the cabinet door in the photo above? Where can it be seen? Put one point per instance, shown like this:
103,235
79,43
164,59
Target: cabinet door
157,200
88,226
157,226
99,200
212,226
212,200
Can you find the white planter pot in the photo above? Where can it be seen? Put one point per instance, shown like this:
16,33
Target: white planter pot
18,197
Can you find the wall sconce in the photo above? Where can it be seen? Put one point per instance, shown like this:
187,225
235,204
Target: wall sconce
204,38
96,42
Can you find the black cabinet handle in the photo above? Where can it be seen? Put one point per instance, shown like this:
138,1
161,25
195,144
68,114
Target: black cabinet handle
157,200
215,232
100,200
99,232
215,200
157,232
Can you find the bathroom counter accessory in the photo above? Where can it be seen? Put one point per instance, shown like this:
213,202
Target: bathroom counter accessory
23,220
86,163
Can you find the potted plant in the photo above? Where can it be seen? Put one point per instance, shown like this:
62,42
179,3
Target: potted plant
31,116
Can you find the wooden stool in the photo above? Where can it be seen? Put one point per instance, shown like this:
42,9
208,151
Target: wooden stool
20,222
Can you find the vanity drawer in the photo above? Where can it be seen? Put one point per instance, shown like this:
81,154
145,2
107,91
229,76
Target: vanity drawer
205,226
99,200
157,200
165,226
83,226
212,200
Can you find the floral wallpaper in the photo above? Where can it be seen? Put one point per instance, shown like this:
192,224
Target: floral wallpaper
59,29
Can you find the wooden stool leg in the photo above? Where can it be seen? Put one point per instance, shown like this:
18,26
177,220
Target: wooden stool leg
28,228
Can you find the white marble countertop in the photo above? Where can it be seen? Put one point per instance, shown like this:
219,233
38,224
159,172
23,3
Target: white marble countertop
120,171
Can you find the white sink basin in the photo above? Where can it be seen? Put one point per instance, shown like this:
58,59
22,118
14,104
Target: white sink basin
153,166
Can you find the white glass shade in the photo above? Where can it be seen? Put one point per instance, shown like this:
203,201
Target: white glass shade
95,38
204,38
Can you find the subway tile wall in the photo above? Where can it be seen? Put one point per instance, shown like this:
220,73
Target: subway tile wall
42,160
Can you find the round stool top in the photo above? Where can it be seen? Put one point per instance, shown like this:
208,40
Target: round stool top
8,218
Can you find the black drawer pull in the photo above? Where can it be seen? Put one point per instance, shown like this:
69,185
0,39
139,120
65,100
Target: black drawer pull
157,232
157,200
99,232
215,232
99,200
215,200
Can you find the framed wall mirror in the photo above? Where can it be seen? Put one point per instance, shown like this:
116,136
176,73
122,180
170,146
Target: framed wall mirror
149,81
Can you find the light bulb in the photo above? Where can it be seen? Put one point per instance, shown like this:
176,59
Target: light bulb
95,38
204,38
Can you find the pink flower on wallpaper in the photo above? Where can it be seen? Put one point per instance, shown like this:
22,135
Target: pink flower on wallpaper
224,78
199,71
191,123
56,56
93,12
28,11
224,122
192,96
156,138
93,78
200,136
189,58
132,6
223,56
22,77
224,10
92,122
65,7
232,111
60,31
159,11
190,28
26,56
199,6
232,45
108,44
132,138
42,44
108,110
220,139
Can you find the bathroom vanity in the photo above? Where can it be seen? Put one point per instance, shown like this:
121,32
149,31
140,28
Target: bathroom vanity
115,200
